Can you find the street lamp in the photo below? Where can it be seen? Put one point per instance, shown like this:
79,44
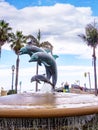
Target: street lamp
85,74
20,85
89,80
13,68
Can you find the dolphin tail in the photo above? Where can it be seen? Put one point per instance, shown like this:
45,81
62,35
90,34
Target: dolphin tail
55,56
51,83
38,81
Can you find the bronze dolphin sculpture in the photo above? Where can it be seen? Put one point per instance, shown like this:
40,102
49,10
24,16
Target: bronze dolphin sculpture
49,63
39,78
31,49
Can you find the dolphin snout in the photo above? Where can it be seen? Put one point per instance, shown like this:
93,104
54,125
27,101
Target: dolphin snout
30,60
33,59
31,80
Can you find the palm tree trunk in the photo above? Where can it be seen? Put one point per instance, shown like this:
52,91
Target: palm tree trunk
95,74
1,44
17,71
37,74
0,51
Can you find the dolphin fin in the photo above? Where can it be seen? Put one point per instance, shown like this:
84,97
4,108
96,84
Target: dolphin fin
55,56
39,62
45,63
47,50
38,81
30,54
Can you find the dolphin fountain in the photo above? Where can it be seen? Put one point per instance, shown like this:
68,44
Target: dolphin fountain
41,56
47,111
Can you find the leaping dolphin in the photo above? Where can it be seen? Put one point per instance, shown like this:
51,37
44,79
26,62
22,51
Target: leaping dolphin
39,78
30,50
49,63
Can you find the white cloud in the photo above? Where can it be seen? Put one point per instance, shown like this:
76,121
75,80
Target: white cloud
59,24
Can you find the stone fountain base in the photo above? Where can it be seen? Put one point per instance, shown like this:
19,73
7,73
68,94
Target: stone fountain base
86,122
52,111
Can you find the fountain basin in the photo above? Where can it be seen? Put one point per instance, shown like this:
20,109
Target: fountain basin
42,105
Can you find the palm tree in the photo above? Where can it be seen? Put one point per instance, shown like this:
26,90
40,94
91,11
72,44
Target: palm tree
5,33
18,41
91,39
36,42
45,45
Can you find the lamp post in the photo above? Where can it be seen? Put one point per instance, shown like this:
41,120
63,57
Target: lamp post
89,80
20,85
13,68
85,74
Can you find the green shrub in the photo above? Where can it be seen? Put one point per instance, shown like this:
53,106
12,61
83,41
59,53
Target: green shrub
11,92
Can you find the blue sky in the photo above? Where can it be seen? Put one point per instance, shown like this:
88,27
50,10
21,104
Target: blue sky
60,21
88,3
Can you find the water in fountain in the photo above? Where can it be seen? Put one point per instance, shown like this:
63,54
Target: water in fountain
87,122
46,88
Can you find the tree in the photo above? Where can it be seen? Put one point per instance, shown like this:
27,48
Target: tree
45,45
91,39
18,41
5,33
36,42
